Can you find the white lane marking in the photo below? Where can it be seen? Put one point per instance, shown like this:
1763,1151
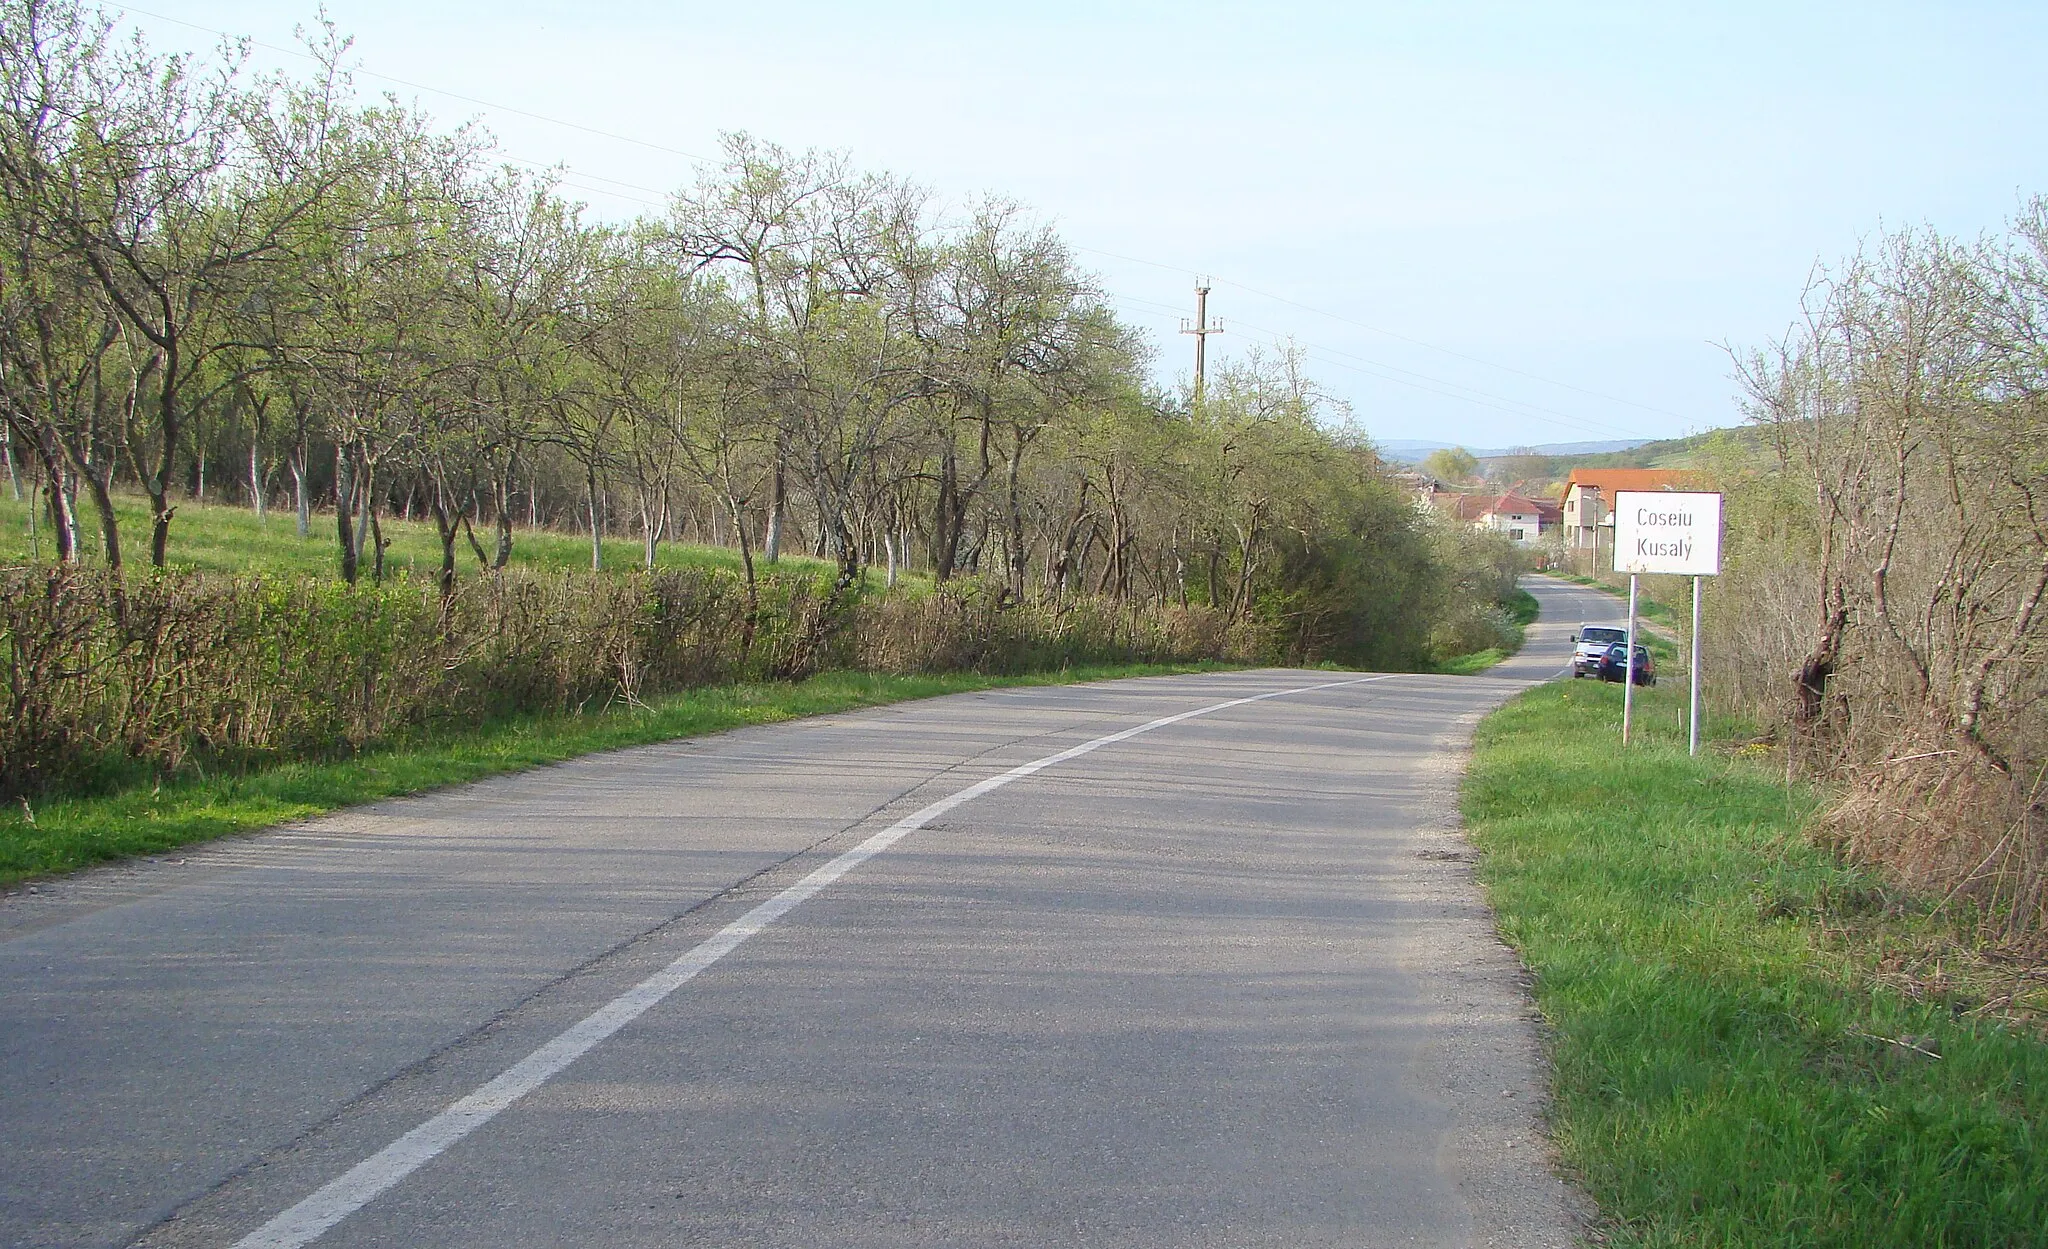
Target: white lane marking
362,1183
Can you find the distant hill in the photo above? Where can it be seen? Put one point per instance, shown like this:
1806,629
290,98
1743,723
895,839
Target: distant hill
1542,469
1415,452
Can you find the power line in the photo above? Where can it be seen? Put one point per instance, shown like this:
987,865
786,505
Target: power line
1522,407
567,173
1338,316
442,91
1415,380
1533,409
1201,329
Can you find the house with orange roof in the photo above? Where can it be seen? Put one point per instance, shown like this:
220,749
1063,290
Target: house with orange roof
1589,499
1521,519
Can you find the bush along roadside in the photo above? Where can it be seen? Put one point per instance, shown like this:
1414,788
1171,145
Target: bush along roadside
1507,624
39,839
117,683
1736,1062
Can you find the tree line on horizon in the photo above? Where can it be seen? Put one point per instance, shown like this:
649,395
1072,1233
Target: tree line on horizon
264,287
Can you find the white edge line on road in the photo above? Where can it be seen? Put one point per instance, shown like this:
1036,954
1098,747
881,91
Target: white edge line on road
361,1184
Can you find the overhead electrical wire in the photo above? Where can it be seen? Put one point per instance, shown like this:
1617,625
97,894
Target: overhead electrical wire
419,86
1361,364
1395,334
1427,382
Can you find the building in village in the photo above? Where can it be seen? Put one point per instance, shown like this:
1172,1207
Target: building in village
1521,519
1588,512
1524,520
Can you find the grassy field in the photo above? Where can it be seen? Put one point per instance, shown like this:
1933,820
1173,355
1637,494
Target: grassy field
1739,1059
231,539
66,835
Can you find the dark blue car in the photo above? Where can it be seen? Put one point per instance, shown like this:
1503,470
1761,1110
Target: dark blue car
1613,661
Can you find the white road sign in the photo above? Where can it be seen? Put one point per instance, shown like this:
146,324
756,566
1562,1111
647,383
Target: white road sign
1667,531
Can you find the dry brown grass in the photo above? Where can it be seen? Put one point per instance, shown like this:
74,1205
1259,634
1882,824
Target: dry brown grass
1948,824
196,671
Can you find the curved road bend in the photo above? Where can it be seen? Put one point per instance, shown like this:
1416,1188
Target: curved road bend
1221,981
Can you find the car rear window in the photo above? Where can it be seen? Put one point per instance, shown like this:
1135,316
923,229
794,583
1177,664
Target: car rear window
1605,635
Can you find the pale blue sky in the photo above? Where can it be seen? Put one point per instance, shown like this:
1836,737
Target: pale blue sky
1472,207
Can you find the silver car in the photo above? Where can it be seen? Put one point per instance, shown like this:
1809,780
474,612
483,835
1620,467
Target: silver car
1590,643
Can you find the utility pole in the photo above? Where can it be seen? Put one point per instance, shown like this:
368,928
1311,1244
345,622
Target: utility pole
1201,329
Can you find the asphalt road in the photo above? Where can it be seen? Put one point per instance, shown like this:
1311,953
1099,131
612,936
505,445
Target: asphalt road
1224,980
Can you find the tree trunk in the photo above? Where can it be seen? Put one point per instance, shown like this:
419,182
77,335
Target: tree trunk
753,605
256,490
946,519
503,555
157,482
160,513
446,526
13,476
59,503
365,502
110,532
1818,667
596,533
344,522
653,520
376,536
1240,600
771,543
300,497
1013,507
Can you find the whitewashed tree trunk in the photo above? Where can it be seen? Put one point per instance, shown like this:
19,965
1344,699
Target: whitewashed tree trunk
300,497
256,491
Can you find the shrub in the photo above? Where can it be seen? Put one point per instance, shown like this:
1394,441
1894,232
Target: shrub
190,670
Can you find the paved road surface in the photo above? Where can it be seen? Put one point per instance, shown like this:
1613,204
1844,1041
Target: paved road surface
1223,981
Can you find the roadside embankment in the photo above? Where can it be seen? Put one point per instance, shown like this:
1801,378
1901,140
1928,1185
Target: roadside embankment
66,834
1753,1044
1517,614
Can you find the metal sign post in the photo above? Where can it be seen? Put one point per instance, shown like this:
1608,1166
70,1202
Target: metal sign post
1692,715
1628,665
1666,531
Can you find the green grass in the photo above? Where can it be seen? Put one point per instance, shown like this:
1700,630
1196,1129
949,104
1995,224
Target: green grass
1477,661
1522,610
66,835
1523,607
1733,1064
1647,607
230,539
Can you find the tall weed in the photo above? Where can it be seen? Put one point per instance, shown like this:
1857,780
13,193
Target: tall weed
189,671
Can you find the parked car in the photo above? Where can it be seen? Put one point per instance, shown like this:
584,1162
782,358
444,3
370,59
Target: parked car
1589,646
1614,660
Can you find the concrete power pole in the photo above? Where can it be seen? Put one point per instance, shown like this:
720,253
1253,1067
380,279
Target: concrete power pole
1201,329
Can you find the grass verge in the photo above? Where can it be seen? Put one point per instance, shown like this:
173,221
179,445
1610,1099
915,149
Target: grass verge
1656,616
1732,1065
1648,608
1522,610
221,538
68,834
